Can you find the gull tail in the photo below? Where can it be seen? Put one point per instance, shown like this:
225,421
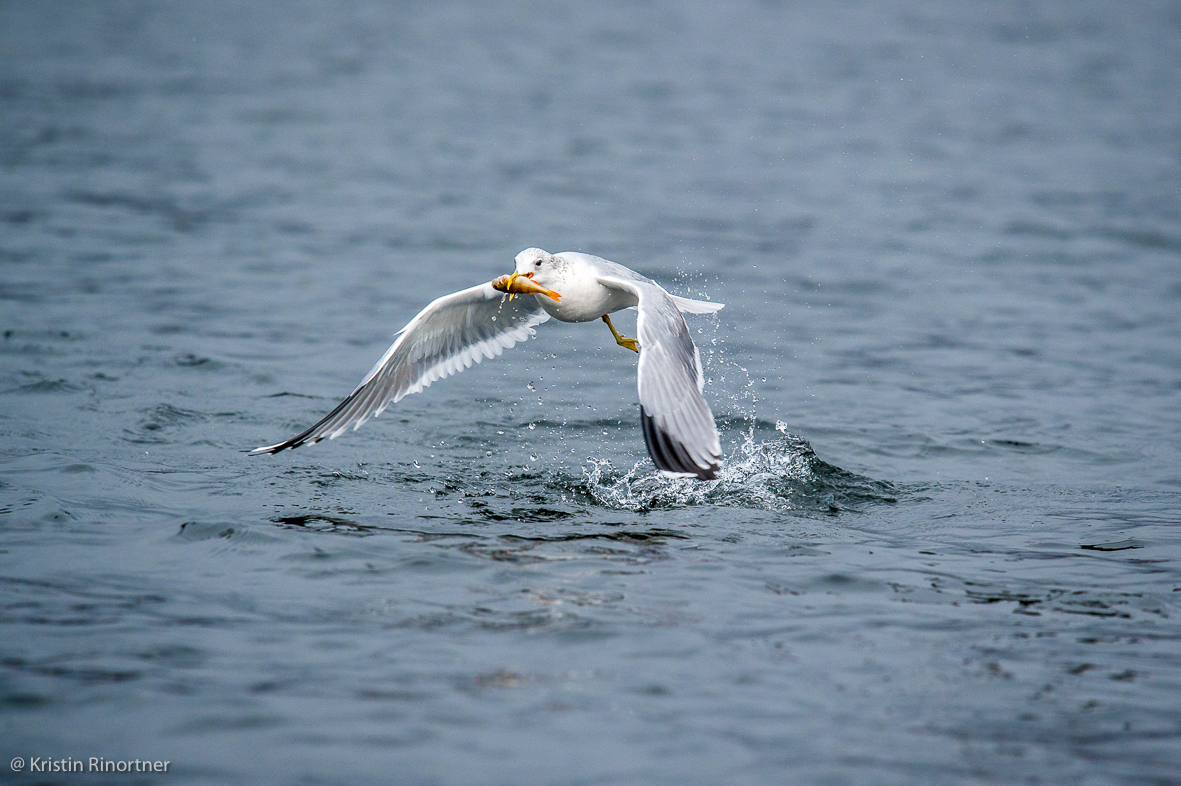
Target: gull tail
687,306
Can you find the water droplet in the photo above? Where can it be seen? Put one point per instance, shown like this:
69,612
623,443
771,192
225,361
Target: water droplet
532,426
533,458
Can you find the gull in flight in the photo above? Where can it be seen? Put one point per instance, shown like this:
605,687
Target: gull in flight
465,327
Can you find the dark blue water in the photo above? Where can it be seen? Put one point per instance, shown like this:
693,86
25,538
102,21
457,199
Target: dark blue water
944,547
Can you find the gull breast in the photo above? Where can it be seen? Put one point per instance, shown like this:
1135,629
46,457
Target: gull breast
584,299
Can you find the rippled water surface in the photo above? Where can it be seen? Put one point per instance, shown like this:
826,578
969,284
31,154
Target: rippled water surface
944,546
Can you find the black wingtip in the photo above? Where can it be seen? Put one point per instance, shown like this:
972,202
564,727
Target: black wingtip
268,451
304,437
668,454
290,444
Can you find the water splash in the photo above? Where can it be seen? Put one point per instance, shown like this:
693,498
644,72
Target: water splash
781,474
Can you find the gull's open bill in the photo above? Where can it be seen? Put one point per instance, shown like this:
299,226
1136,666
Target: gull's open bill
463,328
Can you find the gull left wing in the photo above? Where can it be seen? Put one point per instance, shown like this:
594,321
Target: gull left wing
446,337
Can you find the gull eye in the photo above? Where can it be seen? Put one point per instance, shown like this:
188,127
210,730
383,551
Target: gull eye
537,263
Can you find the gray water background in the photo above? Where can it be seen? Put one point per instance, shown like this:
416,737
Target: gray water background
949,240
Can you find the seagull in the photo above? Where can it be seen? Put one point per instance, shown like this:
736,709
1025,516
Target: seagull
465,327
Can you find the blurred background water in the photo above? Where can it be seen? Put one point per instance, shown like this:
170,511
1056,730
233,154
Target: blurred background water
944,548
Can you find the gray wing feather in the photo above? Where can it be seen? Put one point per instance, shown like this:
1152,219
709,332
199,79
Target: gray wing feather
678,426
446,337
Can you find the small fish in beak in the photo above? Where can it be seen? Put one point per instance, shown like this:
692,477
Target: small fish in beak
520,284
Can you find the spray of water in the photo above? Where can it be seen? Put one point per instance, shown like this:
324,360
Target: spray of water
780,474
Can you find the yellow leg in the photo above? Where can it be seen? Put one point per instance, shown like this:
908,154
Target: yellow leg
630,343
